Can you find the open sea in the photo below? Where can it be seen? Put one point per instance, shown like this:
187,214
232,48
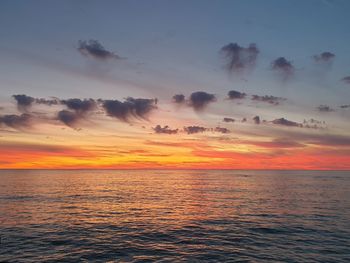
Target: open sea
174,216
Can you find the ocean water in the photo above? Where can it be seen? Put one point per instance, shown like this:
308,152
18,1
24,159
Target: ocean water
175,216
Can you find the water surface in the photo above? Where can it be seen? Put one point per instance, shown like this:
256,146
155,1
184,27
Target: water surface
172,216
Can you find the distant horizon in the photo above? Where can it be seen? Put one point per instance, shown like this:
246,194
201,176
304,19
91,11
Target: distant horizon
162,169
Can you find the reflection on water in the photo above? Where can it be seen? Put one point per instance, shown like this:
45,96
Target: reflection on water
210,216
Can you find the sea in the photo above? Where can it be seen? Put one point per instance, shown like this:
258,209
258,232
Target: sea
174,216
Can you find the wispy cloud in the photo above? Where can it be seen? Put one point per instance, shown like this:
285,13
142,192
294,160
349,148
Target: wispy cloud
238,58
179,98
285,122
284,67
166,130
80,106
324,108
269,99
221,130
24,102
93,48
19,122
131,108
346,79
233,94
324,57
226,119
194,129
69,118
200,99
256,120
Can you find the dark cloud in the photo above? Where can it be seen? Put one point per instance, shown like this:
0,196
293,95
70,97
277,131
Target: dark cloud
24,102
324,108
93,48
199,99
228,120
239,58
69,118
346,79
345,106
233,94
325,57
269,99
256,120
166,129
313,121
16,121
194,129
221,130
283,66
179,98
78,110
80,106
49,102
130,108
314,124
285,122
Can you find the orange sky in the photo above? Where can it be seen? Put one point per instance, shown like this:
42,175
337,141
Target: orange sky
119,145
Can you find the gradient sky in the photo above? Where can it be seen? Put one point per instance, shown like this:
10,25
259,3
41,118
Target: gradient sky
156,49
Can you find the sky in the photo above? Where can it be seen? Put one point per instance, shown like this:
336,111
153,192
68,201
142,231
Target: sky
175,84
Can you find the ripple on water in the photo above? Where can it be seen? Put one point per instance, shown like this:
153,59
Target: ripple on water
173,216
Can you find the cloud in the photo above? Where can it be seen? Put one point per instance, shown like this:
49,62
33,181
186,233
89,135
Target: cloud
130,108
324,108
239,58
93,48
346,79
285,122
198,100
166,129
345,106
50,102
256,120
78,110
228,120
233,94
179,98
269,99
17,121
194,129
24,102
80,106
314,124
283,67
324,57
69,118
221,130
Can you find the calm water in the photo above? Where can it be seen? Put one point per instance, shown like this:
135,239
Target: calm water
172,216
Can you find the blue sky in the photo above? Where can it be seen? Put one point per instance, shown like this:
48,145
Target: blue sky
173,43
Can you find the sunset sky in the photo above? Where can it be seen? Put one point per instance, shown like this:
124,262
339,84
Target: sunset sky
175,84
